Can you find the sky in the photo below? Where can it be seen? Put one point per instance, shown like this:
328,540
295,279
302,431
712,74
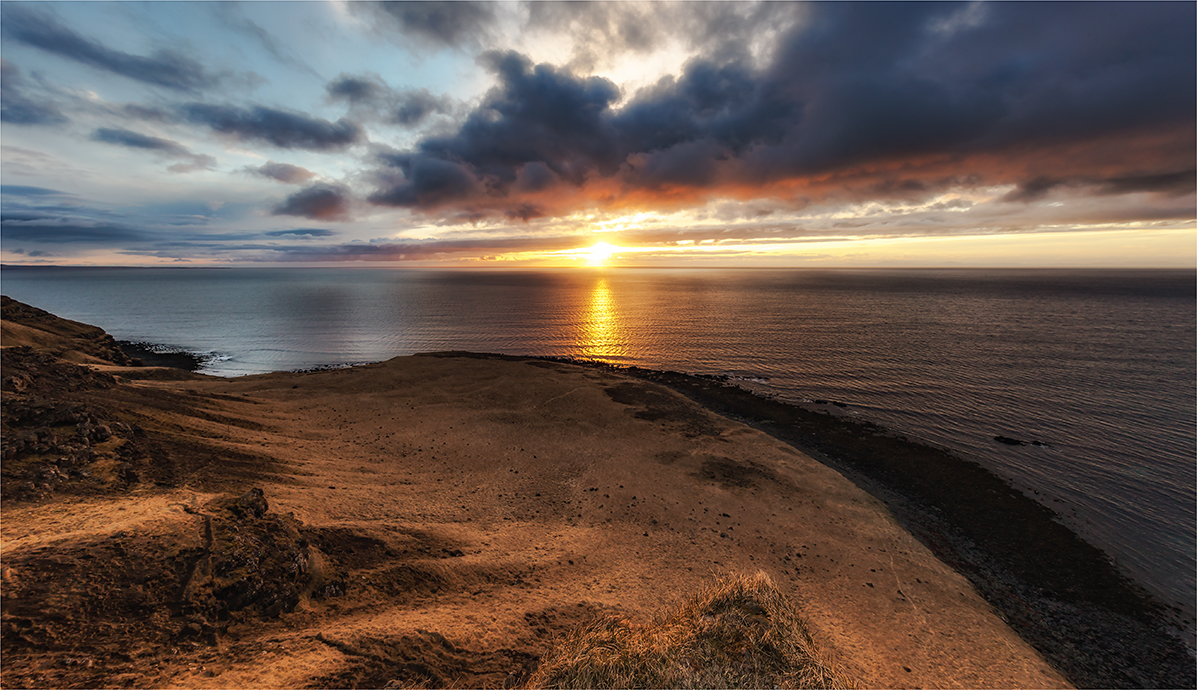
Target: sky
556,134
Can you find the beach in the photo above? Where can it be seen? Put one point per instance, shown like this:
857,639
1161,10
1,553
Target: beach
436,520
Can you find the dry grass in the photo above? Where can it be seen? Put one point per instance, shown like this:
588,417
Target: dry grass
739,633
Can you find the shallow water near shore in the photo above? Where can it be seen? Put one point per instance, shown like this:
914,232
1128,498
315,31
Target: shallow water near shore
1098,367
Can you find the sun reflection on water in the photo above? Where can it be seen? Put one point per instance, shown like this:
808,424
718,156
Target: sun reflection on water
601,335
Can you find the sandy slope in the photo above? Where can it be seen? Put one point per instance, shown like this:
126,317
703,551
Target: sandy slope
478,507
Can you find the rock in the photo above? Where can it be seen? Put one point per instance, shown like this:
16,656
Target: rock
254,562
252,502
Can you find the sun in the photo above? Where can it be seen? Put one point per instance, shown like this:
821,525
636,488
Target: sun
599,253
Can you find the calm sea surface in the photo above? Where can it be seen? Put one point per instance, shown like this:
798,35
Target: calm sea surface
1098,365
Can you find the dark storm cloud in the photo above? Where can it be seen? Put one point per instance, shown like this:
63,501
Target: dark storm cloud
537,114
283,172
451,24
281,128
1172,183
1033,189
17,107
123,137
412,107
318,202
1184,182
41,30
429,181
370,95
853,93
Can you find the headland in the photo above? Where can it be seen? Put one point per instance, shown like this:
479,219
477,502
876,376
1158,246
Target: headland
451,519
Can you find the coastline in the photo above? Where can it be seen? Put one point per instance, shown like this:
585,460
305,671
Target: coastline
252,426
1060,593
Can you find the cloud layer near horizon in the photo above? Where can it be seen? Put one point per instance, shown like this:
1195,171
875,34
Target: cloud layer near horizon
773,116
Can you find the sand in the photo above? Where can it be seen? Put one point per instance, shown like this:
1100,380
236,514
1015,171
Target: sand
459,513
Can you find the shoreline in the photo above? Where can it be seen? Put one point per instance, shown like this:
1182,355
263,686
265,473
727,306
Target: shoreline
267,430
1060,593
1066,598
1098,613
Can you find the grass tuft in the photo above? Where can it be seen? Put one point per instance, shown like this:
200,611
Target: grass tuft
741,632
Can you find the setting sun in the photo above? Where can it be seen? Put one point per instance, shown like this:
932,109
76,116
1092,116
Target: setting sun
600,252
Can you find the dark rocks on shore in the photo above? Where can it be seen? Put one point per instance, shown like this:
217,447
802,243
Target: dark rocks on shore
145,355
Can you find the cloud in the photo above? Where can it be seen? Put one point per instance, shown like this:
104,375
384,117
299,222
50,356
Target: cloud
124,137
44,229
434,24
301,233
428,249
166,68
281,128
1171,183
231,18
894,99
318,202
1184,182
370,97
601,34
357,90
1033,189
428,182
283,172
536,114
24,190
172,149
17,107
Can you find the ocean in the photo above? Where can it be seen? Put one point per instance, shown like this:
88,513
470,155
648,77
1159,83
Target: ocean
1098,367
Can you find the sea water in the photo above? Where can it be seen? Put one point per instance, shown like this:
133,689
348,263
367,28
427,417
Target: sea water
1098,367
